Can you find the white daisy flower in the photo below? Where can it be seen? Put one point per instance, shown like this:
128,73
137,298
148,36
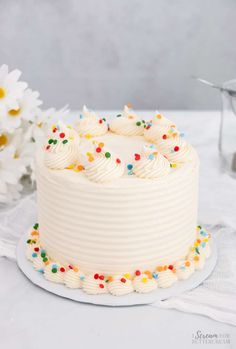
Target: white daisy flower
27,107
11,90
11,170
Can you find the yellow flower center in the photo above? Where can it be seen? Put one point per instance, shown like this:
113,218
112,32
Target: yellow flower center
2,92
40,124
16,155
14,112
3,140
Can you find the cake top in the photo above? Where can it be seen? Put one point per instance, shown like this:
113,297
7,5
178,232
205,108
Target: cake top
127,146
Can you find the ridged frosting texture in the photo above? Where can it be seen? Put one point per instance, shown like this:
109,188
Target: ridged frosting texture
61,150
120,286
151,164
128,124
158,127
118,227
144,284
176,149
90,125
103,166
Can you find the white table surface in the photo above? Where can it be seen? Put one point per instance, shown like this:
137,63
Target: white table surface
31,318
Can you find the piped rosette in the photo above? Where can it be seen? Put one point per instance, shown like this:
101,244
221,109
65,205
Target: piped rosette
61,150
158,127
150,164
90,125
102,165
175,149
127,124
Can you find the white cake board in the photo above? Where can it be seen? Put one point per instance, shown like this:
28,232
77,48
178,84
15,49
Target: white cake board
107,299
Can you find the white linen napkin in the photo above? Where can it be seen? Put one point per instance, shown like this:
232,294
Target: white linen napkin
215,297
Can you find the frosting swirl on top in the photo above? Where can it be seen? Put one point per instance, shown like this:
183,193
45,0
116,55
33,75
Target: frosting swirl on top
151,164
158,127
90,125
102,165
127,124
61,150
176,149
144,284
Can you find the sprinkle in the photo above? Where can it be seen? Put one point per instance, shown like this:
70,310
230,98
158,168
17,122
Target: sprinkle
138,272
96,276
88,136
137,157
109,278
50,141
54,130
34,232
76,269
104,119
28,241
54,270
36,249
176,148
158,116
100,121
118,161
127,276
171,267
62,270
62,135
70,266
123,280
55,141
173,165
160,268
98,150
80,168
45,259
187,264
151,157
43,254
196,258
197,250
82,277
143,121
47,147
155,275
101,145
164,136
148,126
101,277
199,227
129,166
148,273
65,141
118,116
144,280
36,226
107,155
138,123
101,285
165,267
81,116
34,254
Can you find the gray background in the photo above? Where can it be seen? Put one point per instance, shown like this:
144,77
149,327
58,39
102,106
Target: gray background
109,52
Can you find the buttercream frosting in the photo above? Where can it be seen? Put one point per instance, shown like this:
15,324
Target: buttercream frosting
61,150
73,278
120,286
184,269
94,285
158,127
103,166
144,284
176,149
128,123
198,259
90,125
151,164
166,278
52,272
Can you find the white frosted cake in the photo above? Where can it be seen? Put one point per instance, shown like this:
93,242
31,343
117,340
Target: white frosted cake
117,205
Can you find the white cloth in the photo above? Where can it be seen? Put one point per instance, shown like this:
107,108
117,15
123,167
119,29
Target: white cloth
216,297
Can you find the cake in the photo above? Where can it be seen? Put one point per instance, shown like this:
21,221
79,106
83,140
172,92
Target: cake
117,205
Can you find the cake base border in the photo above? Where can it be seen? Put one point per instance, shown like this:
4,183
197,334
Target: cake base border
107,299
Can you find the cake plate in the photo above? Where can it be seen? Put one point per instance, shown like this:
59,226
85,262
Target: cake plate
107,299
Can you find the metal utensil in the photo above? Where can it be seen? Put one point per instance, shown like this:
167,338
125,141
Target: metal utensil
218,87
